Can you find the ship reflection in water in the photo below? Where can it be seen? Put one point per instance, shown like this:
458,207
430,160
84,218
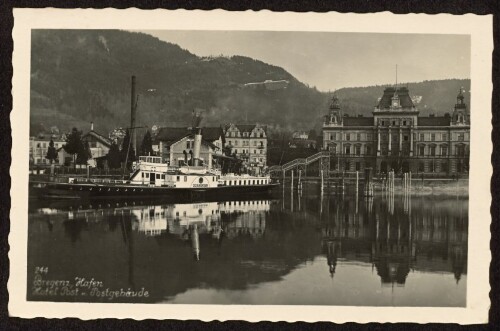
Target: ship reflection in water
301,250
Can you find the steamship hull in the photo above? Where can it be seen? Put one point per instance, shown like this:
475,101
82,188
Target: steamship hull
84,190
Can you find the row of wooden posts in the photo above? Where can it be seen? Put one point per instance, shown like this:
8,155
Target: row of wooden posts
388,184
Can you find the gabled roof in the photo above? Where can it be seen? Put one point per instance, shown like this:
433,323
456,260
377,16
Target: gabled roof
248,127
105,141
434,121
358,121
170,136
213,133
245,127
403,94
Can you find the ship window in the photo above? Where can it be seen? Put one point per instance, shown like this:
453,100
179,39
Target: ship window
178,178
225,183
162,176
157,176
185,178
200,180
240,182
146,174
142,174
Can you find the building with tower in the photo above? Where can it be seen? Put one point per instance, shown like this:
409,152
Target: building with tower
397,138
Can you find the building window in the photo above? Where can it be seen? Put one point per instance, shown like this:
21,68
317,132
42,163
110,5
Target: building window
404,122
358,166
405,137
433,137
369,136
347,136
444,150
432,167
422,137
421,150
444,137
236,143
421,167
368,150
348,150
460,137
433,150
393,122
358,136
358,150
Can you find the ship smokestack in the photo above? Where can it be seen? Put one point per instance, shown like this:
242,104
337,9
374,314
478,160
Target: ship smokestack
133,109
197,146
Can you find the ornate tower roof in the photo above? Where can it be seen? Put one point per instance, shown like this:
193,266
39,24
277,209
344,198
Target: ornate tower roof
401,95
334,103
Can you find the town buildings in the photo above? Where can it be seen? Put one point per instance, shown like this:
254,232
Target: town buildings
397,138
39,146
249,143
175,145
99,145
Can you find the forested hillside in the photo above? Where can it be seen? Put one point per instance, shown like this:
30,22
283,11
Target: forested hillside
79,76
82,76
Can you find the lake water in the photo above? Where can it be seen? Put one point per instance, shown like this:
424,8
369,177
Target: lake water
289,249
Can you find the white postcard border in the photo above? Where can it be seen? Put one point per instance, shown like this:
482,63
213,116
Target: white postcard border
478,27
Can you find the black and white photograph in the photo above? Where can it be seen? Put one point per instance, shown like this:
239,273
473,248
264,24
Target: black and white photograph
174,166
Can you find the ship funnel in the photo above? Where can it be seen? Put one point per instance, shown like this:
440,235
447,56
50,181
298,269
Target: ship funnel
197,146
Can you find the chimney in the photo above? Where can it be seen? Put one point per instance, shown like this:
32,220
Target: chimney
91,126
197,146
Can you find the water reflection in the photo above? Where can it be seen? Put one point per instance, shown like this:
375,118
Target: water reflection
237,251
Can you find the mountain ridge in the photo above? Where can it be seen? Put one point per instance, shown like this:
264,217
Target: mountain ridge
79,76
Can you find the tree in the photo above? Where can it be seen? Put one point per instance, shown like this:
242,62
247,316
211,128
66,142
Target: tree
83,154
147,144
51,152
114,157
127,147
74,144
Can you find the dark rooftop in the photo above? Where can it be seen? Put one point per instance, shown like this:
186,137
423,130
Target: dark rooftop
171,135
403,94
99,137
434,121
358,121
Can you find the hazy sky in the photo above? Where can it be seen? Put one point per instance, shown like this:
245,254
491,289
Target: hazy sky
331,60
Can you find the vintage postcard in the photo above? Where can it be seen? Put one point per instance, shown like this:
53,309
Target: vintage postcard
218,165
